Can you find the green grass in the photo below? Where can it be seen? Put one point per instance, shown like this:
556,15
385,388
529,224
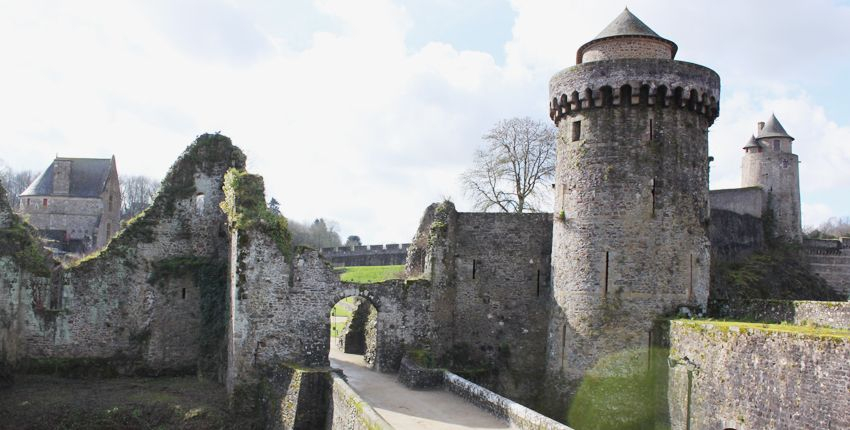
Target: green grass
371,274
336,328
340,311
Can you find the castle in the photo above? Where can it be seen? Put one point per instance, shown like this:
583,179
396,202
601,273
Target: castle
583,314
75,203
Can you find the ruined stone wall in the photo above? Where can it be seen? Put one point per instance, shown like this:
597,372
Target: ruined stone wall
630,239
391,254
280,304
139,306
79,217
752,377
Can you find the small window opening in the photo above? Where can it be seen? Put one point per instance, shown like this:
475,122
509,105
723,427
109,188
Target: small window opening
44,202
538,283
776,145
110,202
199,204
183,294
605,280
474,263
576,130
651,134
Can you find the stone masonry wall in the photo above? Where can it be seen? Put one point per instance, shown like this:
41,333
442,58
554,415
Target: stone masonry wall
373,255
619,48
831,260
734,236
753,377
743,201
502,282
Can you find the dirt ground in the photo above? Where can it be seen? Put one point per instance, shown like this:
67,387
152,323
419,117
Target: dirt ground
48,402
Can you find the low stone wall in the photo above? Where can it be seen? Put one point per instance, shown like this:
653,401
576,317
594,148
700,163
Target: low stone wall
827,314
750,201
515,414
372,255
294,398
748,376
830,259
416,377
350,412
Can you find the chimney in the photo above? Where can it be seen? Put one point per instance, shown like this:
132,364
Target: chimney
61,176
761,125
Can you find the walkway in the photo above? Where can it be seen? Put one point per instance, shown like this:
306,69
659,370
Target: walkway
404,408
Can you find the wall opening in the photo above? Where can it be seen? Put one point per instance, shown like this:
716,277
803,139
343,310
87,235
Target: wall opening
691,279
353,332
576,129
653,195
44,202
199,204
183,294
474,264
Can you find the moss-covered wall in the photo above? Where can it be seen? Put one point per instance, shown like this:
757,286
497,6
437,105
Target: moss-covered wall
143,303
751,376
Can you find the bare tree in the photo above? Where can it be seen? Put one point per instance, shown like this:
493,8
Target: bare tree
832,228
15,182
137,193
510,172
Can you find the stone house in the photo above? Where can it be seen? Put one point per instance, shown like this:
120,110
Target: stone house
75,203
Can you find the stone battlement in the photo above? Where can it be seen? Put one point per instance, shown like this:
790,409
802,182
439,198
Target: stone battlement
390,254
633,82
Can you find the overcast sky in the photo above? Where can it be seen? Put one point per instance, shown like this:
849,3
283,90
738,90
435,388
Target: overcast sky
366,111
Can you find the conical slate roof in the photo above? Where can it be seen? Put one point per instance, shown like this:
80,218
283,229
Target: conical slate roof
626,24
751,143
773,129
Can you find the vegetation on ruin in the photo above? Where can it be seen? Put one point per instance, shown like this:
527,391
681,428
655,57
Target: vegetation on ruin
246,209
210,279
370,274
21,243
706,325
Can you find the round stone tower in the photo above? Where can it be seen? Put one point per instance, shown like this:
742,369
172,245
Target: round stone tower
630,240
770,164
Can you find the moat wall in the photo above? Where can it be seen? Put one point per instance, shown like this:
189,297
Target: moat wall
750,377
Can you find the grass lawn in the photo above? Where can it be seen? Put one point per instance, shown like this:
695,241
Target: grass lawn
371,274
336,328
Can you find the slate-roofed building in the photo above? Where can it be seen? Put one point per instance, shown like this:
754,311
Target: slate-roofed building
75,203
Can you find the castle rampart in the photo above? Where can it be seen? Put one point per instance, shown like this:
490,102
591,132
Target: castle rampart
390,254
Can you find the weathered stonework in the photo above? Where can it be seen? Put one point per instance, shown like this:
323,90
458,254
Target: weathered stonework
800,312
750,378
630,237
830,259
391,254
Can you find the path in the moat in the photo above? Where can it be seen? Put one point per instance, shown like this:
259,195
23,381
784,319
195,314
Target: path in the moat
404,408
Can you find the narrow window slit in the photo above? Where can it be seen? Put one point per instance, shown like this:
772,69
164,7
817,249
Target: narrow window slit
691,280
576,130
605,281
473,268
651,134
563,345
183,294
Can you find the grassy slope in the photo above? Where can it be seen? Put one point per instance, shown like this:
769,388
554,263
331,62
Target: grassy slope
371,274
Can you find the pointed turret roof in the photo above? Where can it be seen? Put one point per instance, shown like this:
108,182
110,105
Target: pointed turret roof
773,129
751,143
626,25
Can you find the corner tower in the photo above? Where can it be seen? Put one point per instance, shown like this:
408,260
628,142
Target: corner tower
630,239
769,163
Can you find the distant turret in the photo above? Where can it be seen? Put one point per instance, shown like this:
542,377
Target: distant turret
769,163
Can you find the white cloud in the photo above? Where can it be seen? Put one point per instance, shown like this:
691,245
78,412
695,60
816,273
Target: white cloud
356,126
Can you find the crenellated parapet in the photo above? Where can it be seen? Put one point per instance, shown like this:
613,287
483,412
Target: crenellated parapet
635,82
